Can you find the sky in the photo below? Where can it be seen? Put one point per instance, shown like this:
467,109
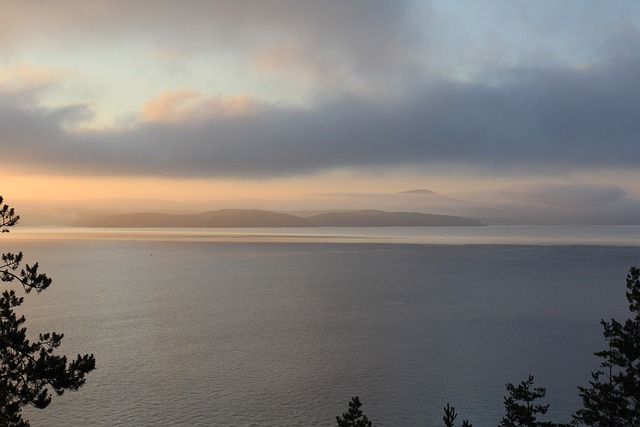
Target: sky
198,100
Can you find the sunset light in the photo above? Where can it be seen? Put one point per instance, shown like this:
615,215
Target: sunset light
257,101
292,212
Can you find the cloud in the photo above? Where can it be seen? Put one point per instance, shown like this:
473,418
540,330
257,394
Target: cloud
537,121
312,71
188,105
26,75
568,203
28,81
291,63
371,39
171,55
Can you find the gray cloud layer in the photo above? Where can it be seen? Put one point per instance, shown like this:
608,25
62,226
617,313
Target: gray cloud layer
536,120
364,37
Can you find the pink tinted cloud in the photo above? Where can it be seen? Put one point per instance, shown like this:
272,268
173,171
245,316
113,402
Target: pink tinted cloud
188,105
26,76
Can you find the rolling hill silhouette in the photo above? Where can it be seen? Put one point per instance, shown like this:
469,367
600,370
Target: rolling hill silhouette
242,218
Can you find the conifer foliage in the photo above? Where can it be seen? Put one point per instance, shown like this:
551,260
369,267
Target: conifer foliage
450,416
29,371
613,396
521,409
354,417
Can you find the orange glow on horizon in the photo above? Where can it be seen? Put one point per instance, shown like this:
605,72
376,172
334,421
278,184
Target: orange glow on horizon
21,185
259,193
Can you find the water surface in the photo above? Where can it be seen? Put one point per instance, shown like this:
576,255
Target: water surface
191,328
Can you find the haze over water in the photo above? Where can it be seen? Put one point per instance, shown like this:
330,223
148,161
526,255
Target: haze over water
274,327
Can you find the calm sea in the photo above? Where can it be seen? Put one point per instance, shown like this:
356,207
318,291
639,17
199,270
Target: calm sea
281,327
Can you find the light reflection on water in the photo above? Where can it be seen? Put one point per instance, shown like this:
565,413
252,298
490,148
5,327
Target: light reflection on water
189,330
492,235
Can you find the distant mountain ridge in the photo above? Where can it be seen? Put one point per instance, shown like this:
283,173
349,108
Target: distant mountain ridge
537,205
219,218
419,191
246,218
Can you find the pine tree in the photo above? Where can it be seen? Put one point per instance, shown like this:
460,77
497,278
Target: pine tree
354,417
29,371
613,396
450,416
521,409
519,406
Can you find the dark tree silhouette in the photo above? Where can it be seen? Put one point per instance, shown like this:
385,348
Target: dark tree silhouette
450,416
613,396
354,416
29,371
521,409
